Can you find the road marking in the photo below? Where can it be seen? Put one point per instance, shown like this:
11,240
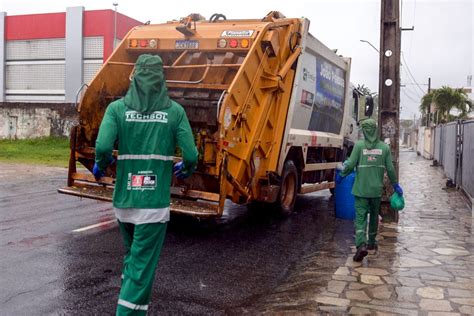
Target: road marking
93,226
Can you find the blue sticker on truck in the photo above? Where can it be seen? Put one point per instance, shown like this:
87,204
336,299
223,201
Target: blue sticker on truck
328,109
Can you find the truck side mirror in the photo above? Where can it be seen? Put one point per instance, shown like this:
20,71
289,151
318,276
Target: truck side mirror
355,97
369,106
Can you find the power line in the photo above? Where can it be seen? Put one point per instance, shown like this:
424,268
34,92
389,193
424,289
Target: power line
415,93
405,64
411,85
413,24
414,13
409,97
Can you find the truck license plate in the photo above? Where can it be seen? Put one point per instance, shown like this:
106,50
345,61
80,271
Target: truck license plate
186,44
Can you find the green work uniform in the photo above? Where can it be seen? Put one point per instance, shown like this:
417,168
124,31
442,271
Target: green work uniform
372,158
147,125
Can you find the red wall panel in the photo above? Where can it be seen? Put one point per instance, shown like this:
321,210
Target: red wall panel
53,25
35,26
101,23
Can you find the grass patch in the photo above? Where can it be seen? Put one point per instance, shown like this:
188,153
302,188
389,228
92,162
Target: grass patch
50,151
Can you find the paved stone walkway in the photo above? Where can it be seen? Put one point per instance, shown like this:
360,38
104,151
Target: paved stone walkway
424,265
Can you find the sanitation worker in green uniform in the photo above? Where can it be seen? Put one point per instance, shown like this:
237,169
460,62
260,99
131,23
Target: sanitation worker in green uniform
148,126
371,157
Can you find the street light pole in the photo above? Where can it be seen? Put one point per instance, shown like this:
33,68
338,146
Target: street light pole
115,4
364,41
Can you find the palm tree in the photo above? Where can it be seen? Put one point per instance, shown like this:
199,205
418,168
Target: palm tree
426,102
365,90
446,99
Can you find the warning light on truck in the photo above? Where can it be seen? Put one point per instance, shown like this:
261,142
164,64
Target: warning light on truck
222,43
233,43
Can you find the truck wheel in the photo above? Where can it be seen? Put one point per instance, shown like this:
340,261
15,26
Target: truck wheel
289,188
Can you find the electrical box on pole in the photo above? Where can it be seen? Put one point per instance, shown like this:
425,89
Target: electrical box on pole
389,89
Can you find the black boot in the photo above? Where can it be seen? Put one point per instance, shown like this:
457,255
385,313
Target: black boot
360,253
373,246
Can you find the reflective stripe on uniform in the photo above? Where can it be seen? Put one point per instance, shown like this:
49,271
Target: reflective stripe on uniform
145,157
132,306
371,166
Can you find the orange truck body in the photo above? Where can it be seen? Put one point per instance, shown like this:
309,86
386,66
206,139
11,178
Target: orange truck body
237,80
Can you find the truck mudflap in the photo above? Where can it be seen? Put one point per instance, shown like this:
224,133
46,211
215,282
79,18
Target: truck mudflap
195,203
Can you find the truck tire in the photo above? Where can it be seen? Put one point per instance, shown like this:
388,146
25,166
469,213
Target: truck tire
288,189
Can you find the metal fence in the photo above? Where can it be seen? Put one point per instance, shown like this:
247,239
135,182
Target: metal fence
467,166
437,153
453,149
449,150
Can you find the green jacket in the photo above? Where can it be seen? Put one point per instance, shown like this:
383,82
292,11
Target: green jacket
148,126
371,157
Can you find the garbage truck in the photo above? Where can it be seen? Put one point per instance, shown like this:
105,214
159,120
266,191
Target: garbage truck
271,108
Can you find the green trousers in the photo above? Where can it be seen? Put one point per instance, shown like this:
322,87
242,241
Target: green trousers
143,245
364,207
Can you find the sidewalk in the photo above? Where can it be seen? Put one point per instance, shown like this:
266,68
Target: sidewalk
424,265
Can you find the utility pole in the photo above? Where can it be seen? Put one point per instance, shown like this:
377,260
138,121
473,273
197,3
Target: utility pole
389,90
429,110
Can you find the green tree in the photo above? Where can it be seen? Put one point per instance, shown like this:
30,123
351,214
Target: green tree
426,102
365,90
445,99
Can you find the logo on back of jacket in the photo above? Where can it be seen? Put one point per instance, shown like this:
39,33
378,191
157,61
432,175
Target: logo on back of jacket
144,180
372,154
157,116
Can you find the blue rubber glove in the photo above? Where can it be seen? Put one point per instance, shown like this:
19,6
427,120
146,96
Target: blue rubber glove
178,170
97,172
397,188
339,178
100,173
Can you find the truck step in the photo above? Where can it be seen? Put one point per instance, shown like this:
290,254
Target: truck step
104,193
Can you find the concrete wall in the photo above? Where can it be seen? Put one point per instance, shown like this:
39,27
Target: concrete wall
420,145
31,120
428,144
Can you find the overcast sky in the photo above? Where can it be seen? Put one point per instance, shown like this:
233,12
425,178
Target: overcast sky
440,47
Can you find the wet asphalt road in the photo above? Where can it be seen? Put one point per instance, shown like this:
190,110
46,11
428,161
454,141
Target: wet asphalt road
226,266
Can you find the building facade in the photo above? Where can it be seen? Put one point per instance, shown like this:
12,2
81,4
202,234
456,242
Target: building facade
48,57
44,61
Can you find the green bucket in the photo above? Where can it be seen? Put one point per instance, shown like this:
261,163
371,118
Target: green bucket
397,202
